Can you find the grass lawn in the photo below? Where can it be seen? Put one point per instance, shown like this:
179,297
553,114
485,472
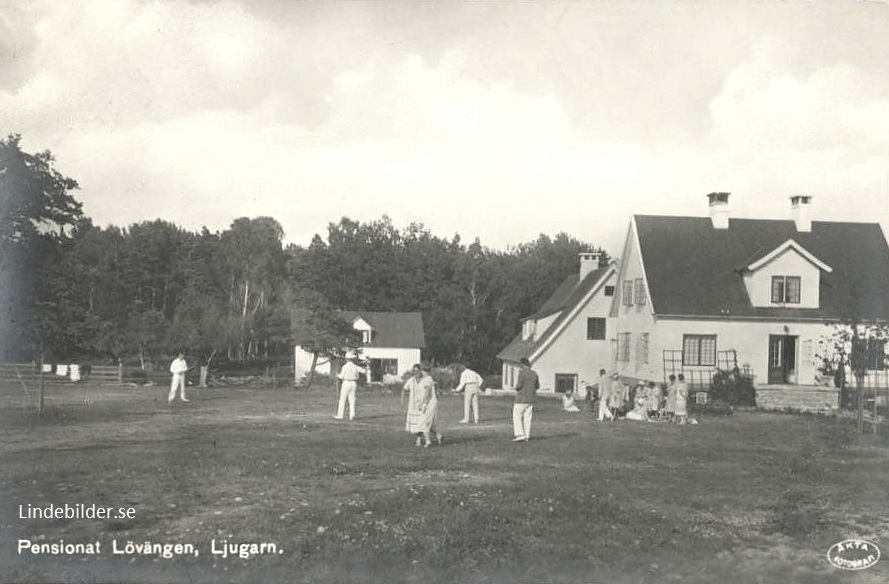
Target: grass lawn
753,497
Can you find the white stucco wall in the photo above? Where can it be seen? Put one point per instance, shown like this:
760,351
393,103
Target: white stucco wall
749,338
570,352
635,319
789,263
406,356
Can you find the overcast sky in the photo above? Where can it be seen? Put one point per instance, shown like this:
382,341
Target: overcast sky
497,120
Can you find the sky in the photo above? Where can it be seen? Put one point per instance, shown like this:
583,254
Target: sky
495,120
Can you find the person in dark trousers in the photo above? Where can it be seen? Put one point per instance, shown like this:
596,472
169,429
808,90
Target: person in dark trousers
526,388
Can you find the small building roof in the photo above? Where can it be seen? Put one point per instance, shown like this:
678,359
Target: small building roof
389,329
567,295
695,270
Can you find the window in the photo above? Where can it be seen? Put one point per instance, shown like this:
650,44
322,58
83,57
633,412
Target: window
640,291
623,346
876,354
528,329
595,329
379,368
699,350
786,289
609,290
628,293
565,382
642,350
365,337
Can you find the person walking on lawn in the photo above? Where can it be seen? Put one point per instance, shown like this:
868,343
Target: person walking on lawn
470,385
178,368
526,394
422,407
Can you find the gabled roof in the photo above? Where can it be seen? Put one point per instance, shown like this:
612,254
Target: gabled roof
692,269
566,297
789,244
389,329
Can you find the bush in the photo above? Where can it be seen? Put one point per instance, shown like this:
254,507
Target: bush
732,388
493,382
443,377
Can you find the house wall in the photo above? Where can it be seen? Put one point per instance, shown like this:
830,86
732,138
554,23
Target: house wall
789,263
406,357
635,319
571,352
749,339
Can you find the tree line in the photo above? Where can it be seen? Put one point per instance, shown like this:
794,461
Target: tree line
76,290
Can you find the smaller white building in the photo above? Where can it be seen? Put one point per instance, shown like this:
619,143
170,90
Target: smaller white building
392,342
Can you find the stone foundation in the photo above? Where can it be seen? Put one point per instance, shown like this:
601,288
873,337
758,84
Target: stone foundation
801,398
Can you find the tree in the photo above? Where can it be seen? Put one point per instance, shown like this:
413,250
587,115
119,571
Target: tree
255,262
36,207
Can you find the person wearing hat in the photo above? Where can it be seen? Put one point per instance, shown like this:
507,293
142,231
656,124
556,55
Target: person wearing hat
422,406
526,388
349,386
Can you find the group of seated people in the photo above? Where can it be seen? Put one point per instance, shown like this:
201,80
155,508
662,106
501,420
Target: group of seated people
644,402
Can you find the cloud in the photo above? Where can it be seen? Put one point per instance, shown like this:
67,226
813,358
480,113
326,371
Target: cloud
497,122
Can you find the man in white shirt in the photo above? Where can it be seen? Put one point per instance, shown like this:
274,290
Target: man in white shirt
349,376
470,385
178,368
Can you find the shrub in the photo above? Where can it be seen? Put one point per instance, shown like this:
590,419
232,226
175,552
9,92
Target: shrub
493,382
443,377
732,388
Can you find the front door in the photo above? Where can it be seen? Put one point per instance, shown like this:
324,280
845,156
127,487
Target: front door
782,359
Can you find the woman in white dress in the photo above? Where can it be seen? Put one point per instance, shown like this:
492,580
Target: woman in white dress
422,405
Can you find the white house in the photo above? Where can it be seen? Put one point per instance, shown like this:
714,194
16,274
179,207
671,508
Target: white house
700,293
391,341
566,341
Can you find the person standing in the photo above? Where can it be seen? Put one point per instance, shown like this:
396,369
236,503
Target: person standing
422,407
604,386
670,405
526,394
178,368
617,396
349,377
681,401
470,385
409,394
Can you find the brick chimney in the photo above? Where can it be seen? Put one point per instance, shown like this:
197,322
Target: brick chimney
719,211
799,207
589,261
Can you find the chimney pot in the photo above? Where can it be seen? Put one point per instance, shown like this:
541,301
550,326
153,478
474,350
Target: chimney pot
719,211
799,208
589,261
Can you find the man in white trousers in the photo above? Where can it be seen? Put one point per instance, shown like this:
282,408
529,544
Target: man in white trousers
349,377
526,388
470,385
178,368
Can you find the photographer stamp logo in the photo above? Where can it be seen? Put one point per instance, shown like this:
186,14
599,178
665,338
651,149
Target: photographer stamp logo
853,554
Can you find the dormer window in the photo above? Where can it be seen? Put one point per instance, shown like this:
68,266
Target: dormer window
528,330
786,289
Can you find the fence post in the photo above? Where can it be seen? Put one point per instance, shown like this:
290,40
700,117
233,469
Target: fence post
119,372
